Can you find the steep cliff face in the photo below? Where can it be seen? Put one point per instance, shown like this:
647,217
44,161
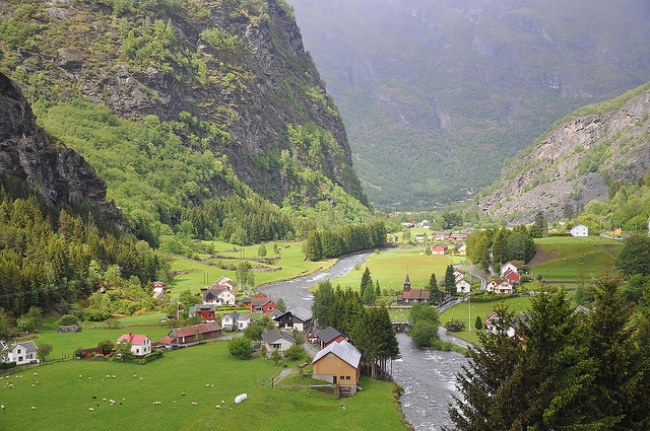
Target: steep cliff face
60,174
574,162
237,71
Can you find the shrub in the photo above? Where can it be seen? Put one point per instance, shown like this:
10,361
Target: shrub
295,352
455,326
68,319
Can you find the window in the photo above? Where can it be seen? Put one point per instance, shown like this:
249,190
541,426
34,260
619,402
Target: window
347,377
341,378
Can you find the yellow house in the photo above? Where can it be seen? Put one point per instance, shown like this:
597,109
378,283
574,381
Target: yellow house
339,364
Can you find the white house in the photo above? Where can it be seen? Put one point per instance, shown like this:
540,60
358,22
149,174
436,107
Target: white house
500,286
140,344
21,353
463,286
219,294
277,340
579,230
235,321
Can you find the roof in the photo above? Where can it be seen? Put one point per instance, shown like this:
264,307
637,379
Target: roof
343,350
203,328
299,312
260,301
238,316
29,346
275,334
414,294
328,334
133,338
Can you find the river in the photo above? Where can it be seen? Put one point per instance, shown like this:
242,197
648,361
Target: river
428,377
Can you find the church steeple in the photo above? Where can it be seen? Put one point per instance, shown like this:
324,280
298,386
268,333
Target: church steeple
407,283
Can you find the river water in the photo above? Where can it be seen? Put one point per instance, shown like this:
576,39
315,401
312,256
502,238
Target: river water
428,377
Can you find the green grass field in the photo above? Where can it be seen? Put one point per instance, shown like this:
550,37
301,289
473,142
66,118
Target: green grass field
390,267
193,275
207,375
564,258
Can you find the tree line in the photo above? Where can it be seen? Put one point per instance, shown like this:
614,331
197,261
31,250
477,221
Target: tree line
349,239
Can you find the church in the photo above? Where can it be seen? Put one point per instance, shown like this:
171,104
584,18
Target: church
412,296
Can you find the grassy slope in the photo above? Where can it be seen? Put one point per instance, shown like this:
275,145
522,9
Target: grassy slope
186,370
562,258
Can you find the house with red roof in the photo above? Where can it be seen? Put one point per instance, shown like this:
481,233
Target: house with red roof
219,294
500,286
508,266
512,276
140,343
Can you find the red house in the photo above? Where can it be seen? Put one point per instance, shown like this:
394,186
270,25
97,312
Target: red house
512,276
328,336
440,249
259,304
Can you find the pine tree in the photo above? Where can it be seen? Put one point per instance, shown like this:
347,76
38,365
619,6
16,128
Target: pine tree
366,281
450,281
434,292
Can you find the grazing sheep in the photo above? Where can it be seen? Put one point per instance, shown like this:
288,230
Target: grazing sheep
33,385
103,399
135,375
90,409
37,382
113,375
36,374
218,406
182,394
207,385
80,376
33,408
108,376
141,378
223,401
194,403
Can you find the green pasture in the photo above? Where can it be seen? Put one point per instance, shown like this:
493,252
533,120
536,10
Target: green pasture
390,267
568,258
291,263
66,344
63,393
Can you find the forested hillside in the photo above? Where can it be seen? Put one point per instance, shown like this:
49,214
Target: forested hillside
437,94
179,104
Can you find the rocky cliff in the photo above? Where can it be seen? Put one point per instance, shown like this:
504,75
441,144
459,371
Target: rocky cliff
576,161
235,71
60,174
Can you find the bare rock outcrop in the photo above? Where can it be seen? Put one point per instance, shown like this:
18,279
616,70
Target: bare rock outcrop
27,153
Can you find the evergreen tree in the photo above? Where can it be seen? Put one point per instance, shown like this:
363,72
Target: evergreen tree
634,258
478,324
261,251
377,289
450,281
314,249
366,282
500,248
434,293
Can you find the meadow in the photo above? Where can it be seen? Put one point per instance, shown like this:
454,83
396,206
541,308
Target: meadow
192,274
390,267
63,393
568,258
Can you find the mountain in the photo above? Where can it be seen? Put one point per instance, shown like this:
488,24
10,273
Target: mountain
437,94
62,177
581,158
228,82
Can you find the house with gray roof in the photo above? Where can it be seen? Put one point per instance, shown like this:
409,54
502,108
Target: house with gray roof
296,318
339,364
277,340
328,336
21,353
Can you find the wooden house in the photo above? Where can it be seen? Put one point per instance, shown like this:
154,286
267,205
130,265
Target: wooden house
338,363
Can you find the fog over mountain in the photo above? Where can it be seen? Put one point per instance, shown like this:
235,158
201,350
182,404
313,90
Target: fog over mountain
437,94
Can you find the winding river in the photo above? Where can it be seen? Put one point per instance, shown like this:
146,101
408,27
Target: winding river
428,377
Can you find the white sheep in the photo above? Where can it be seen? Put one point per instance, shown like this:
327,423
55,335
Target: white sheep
80,376
33,385
113,375
108,376
218,406
207,385
194,403
36,374
90,409
33,408
103,399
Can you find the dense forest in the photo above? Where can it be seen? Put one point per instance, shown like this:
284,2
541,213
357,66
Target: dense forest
51,258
